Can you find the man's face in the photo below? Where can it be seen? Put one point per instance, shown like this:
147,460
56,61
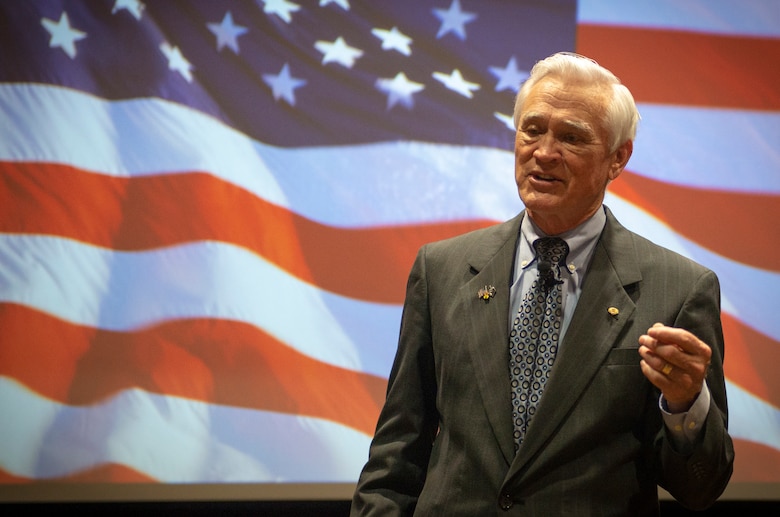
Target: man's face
562,158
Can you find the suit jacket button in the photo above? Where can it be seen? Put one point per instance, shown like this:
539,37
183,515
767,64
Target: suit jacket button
506,502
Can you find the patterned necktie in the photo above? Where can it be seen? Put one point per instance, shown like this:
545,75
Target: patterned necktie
533,340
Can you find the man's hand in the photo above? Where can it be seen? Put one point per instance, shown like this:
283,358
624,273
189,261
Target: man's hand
676,362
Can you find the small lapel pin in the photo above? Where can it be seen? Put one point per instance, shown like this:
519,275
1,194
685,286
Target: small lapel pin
486,293
613,311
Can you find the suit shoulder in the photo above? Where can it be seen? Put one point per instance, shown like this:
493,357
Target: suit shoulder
657,255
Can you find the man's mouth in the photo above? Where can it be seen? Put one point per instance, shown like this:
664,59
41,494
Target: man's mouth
542,177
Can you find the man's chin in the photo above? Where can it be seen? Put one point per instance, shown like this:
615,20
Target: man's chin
541,202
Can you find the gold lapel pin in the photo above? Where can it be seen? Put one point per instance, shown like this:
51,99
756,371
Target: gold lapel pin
486,293
613,311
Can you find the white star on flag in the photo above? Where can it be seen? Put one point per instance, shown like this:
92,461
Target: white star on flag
510,77
227,33
506,119
456,83
338,52
394,40
176,61
63,35
399,89
453,20
134,7
281,8
283,84
344,4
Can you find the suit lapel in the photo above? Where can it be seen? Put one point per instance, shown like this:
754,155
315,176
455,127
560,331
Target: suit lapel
491,261
592,333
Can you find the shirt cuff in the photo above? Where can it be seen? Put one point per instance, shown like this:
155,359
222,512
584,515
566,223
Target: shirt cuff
685,427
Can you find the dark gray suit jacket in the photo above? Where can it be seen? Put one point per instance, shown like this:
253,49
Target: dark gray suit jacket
597,444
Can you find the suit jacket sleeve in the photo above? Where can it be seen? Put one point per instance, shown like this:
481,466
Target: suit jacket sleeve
698,478
393,477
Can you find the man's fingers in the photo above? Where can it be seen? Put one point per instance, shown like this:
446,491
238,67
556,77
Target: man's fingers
677,346
679,337
675,361
651,358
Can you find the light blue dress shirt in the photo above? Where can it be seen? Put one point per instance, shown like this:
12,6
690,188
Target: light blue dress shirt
683,427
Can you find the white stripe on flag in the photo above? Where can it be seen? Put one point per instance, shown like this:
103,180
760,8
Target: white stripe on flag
751,418
173,440
123,291
709,148
747,17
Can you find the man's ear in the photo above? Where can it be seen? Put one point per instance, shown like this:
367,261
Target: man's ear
622,155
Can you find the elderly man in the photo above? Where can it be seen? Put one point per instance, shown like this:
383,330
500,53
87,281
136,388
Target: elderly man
555,364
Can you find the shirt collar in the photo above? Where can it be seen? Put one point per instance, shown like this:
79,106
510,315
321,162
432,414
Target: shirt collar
581,241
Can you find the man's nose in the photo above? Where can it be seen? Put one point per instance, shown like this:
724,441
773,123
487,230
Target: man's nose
547,148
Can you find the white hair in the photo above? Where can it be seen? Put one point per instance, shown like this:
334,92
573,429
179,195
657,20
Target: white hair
622,116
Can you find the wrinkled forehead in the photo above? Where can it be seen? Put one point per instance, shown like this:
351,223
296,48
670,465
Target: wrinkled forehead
576,103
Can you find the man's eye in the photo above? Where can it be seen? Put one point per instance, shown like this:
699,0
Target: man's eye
531,131
571,138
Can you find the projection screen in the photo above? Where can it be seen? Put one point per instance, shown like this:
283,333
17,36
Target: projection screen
208,211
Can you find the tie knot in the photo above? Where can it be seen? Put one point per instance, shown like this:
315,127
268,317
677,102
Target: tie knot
552,250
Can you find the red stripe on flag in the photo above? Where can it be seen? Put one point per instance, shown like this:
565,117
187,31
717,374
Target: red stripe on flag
8,478
751,360
755,463
216,361
133,214
745,222
677,67
108,473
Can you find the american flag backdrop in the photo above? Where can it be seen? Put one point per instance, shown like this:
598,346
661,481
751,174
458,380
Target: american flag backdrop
208,211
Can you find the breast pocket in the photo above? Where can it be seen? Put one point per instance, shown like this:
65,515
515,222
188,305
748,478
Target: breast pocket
624,387
623,356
